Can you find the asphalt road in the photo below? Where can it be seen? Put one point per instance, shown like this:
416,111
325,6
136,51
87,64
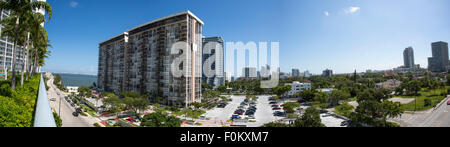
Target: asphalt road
68,119
440,117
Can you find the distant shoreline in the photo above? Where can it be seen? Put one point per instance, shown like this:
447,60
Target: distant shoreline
74,73
77,80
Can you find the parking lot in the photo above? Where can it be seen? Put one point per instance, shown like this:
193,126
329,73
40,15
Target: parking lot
263,113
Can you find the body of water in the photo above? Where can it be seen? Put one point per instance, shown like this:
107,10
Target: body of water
77,79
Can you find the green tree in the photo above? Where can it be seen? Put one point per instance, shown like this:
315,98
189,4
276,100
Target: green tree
311,118
21,10
160,119
338,95
290,106
206,86
113,103
136,104
374,111
308,95
85,91
322,97
345,109
197,105
274,125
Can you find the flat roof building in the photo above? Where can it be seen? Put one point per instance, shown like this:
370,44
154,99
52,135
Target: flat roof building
141,59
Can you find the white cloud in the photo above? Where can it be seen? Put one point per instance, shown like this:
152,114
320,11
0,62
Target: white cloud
73,4
326,13
352,10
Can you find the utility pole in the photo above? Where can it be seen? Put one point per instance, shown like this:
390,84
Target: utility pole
59,113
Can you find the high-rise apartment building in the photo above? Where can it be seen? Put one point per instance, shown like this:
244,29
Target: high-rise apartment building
249,72
295,72
213,47
440,61
142,59
408,57
327,73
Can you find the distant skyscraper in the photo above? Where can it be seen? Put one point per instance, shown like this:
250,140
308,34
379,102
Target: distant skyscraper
295,73
327,73
265,71
408,57
218,63
306,74
249,72
439,62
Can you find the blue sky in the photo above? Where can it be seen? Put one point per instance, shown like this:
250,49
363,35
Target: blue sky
342,35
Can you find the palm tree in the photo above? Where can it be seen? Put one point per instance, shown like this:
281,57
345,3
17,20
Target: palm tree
20,11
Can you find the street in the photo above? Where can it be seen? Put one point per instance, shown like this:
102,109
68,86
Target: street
440,117
68,119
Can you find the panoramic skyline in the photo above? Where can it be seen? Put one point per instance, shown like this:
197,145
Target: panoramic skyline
313,35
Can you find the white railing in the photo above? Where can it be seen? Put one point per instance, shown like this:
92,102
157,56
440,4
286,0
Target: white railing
43,116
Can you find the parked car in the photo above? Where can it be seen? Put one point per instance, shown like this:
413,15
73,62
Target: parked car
448,102
279,113
78,110
239,112
131,120
53,99
273,103
75,114
221,106
276,108
249,112
72,104
301,101
235,117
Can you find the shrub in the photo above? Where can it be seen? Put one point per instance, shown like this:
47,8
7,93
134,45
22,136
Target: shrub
58,119
427,102
5,90
96,125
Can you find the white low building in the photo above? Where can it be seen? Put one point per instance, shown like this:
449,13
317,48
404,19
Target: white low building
72,89
326,90
298,87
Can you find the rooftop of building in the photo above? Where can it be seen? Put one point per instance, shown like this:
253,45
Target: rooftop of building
153,21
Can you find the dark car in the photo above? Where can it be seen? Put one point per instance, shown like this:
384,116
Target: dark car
276,108
78,110
249,112
301,101
239,112
278,113
72,104
273,103
235,117
75,114
323,111
221,106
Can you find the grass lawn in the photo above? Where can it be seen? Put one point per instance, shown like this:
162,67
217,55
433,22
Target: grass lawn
419,104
